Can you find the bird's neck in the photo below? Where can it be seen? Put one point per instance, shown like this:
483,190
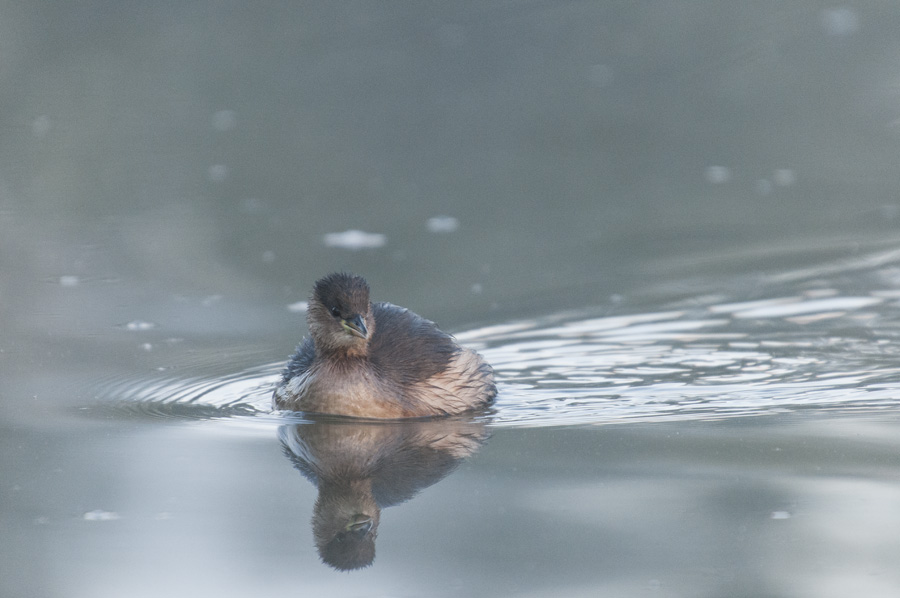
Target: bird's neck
344,352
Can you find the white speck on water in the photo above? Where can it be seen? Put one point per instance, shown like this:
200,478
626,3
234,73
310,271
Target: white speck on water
717,174
784,177
477,288
298,306
268,257
41,520
780,515
41,126
139,325
217,173
443,224
68,281
764,187
100,515
147,347
840,21
224,120
355,239
164,516
211,300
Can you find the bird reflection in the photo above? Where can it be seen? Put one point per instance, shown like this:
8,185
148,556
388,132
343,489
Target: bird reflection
362,467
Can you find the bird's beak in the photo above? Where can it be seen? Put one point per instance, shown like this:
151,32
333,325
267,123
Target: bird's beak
356,326
360,525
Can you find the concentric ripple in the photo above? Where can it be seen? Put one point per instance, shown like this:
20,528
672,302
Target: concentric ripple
246,393
723,359
824,335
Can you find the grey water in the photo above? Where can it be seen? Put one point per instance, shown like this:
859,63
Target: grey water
673,229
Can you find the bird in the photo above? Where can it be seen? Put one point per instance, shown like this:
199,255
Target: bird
378,360
361,467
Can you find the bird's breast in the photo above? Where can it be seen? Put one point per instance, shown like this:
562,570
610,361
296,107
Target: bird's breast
344,389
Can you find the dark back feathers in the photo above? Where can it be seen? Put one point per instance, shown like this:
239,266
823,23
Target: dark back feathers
407,348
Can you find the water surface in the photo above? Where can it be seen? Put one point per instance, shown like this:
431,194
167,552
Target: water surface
672,230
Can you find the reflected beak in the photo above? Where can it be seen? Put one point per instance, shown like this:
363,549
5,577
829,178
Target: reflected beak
355,326
360,525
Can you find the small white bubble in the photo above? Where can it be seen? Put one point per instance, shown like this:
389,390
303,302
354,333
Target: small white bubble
224,120
68,281
139,325
763,187
840,21
717,174
100,515
298,306
41,126
211,300
780,515
784,177
442,224
268,257
217,173
355,239
147,347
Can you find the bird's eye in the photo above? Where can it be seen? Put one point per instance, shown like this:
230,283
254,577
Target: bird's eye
335,312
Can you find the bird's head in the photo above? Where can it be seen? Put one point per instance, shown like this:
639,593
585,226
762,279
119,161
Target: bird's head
340,315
